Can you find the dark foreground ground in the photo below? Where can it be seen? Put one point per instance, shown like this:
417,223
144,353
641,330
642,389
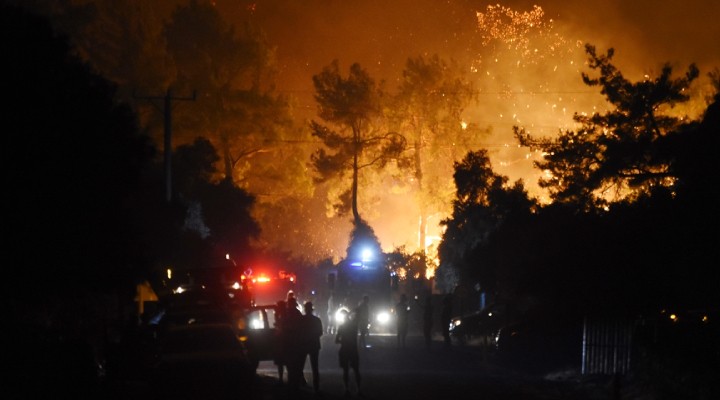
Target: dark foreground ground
412,373
460,372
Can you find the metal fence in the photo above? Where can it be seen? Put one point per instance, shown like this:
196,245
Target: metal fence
607,346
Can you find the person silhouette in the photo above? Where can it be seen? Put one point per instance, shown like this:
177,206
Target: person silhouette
348,354
281,339
402,315
292,328
363,320
312,330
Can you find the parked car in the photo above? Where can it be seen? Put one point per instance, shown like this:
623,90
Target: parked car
202,361
481,327
258,332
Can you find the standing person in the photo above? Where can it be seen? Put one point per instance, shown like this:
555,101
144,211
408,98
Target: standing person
402,315
445,317
427,321
312,329
294,352
348,354
291,297
280,358
363,320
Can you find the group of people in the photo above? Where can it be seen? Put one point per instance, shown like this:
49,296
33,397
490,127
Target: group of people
299,337
299,340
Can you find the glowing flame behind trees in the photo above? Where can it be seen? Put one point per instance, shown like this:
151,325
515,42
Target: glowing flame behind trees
526,71
628,148
427,110
623,153
232,68
522,70
233,72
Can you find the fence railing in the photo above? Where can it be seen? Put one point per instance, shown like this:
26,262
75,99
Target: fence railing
607,346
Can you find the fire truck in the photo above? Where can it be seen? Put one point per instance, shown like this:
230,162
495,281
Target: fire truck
268,287
354,278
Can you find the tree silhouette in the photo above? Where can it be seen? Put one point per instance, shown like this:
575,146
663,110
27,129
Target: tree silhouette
262,150
644,253
354,106
618,154
73,158
217,212
483,202
237,108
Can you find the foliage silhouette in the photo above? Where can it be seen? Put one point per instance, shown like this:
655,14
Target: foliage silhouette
618,154
354,106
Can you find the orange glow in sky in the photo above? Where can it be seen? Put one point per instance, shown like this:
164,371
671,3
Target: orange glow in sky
525,59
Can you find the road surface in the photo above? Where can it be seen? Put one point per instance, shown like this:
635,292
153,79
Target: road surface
415,373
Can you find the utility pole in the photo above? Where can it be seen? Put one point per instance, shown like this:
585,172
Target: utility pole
167,139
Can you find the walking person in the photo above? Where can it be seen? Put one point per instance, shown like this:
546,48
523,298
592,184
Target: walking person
312,330
402,316
363,320
445,317
348,353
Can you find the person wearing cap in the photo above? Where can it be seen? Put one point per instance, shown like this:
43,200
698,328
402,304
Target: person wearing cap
312,330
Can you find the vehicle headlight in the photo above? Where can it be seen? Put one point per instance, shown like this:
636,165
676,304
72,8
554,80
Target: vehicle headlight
457,322
256,323
340,316
382,317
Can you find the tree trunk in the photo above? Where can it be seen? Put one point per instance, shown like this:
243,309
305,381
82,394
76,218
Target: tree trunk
422,229
356,154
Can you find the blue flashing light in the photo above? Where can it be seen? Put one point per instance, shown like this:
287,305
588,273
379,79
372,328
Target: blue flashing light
366,255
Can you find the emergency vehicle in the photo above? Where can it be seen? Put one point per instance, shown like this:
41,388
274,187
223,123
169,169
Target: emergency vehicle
367,274
267,288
